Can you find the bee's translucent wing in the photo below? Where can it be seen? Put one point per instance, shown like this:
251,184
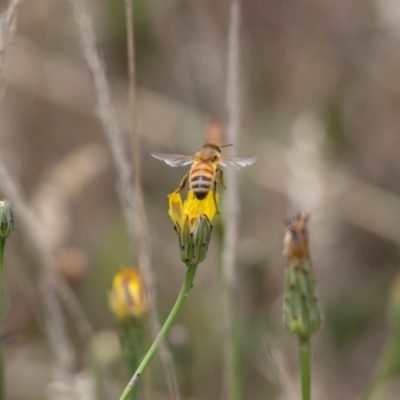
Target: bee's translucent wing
174,160
237,162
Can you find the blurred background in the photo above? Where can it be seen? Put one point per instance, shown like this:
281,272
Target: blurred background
320,98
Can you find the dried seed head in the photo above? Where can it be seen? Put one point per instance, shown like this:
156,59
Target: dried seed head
295,240
301,314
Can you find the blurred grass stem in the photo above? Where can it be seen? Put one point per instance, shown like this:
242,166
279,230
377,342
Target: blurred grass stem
142,247
131,200
187,285
32,229
7,31
304,354
52,286
130,33
232,210
387,368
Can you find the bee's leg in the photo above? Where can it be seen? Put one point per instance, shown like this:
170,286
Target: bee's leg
183,183
215,196
221,177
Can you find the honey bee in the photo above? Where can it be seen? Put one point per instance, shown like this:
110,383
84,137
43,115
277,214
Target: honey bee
206,166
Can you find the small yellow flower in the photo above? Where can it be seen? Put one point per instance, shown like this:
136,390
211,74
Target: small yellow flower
191,208
192,220
127,297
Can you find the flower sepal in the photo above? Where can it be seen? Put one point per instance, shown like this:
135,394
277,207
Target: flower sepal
192,221
6,219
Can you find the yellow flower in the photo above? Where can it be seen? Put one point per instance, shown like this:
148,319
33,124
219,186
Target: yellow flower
192,220
191,208
127,297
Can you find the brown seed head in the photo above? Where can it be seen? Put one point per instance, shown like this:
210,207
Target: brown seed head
295,240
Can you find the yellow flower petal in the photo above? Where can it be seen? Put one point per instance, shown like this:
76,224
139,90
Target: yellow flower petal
175,210
193,206
127,297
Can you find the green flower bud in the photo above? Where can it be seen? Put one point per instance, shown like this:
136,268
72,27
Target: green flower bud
194,239
301,314
192,222
6,219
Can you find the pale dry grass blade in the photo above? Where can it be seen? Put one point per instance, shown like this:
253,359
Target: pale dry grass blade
232,207
49,283
56,330
233,122
131,200
8,24
112,131
142,239
62,183
32,228
275,369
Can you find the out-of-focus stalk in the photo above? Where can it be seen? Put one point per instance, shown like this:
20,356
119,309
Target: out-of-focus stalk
301,314
6,228
232,211
141,239
388,365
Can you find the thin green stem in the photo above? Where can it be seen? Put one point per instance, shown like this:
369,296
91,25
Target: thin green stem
304,352
2,247
187,285
3,299
2,311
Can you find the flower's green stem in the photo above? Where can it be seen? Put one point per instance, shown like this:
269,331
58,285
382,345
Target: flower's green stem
304,352
187,285
2,246
3,304
2,380
2,311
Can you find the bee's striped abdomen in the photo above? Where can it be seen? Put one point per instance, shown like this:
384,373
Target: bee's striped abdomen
201,180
